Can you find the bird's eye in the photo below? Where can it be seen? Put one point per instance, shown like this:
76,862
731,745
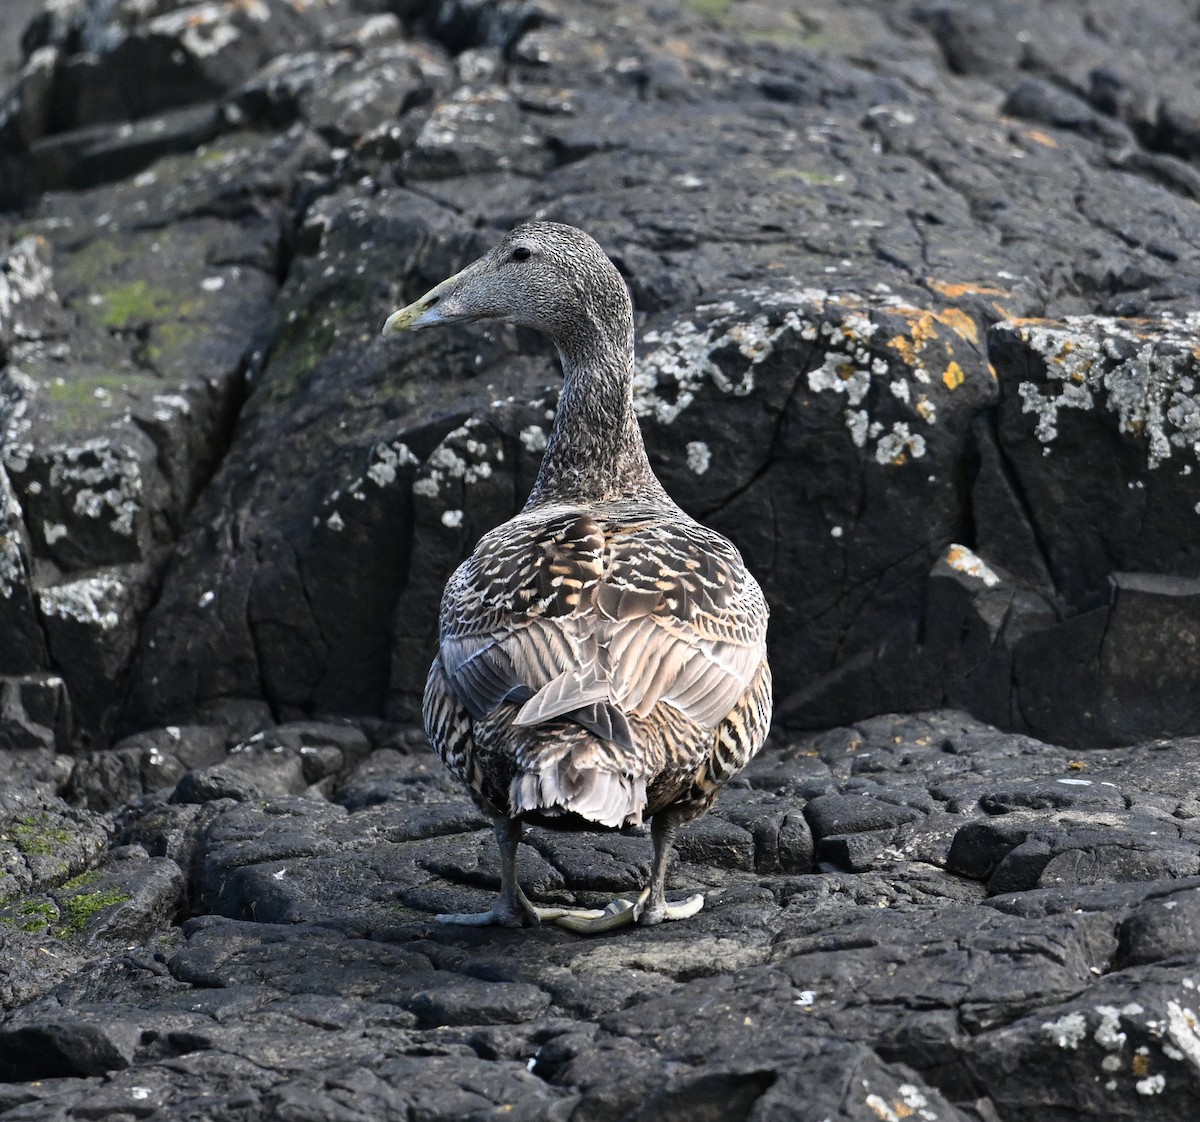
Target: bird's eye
521,253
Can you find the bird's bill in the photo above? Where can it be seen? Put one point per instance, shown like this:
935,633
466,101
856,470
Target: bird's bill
422,312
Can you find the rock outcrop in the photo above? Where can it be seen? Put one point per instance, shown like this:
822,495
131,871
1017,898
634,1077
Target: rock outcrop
885,315
917,290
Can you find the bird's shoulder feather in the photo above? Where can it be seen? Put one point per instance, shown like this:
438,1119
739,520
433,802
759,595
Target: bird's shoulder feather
564,608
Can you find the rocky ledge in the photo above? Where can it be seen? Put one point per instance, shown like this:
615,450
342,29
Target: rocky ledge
917,289
911,917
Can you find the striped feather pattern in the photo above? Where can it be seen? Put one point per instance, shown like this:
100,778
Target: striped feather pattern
607,662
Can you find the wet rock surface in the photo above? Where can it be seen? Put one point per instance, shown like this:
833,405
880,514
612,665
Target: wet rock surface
916,290
919,915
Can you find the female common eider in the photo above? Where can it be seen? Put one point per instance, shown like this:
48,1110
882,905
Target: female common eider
602,656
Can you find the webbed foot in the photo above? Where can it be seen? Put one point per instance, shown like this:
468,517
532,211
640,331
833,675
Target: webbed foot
623,913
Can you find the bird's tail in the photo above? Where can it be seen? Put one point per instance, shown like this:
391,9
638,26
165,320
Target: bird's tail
578,774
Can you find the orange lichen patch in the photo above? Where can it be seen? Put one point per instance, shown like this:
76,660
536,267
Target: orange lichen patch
954,376
1076,765
921,330
1039,137
992,371
1140,1064
960,323
956,291
1031,321
905,348
927,411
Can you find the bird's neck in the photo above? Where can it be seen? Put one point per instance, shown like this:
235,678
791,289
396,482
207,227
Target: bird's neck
595,452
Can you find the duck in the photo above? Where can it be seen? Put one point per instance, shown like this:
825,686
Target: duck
602,656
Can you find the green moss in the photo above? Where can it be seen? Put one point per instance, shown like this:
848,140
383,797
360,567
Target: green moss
33,914
36,915
76,910
81,881
37,836
136,303
305,343
716,9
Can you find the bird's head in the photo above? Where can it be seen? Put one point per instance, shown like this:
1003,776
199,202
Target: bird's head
543,275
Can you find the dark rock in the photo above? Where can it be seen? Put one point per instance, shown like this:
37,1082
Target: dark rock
1036,100
64,1047
101,153
886,988
1020,851
35,712
916,290
977,41
853,814
975,615
149,761
470,1002
1117,397
533,111
1160,929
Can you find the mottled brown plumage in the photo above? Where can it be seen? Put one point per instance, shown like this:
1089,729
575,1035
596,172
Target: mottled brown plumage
602,655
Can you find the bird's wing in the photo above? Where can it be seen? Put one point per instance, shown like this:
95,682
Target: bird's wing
686,621
612,617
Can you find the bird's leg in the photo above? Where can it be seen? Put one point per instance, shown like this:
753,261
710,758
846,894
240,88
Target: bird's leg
653,902
651,906
512,908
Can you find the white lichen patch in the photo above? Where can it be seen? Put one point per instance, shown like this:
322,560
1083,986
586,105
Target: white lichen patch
452,519
169,405
850,361
1151,1085
914,1099
387,460
335,522
699,456
459,461
105,478
97,601
681,359
966,561
533,437
1183,1030
896,446
25,275
13,572
206,29
1068,1031
1145,376
1108,1032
